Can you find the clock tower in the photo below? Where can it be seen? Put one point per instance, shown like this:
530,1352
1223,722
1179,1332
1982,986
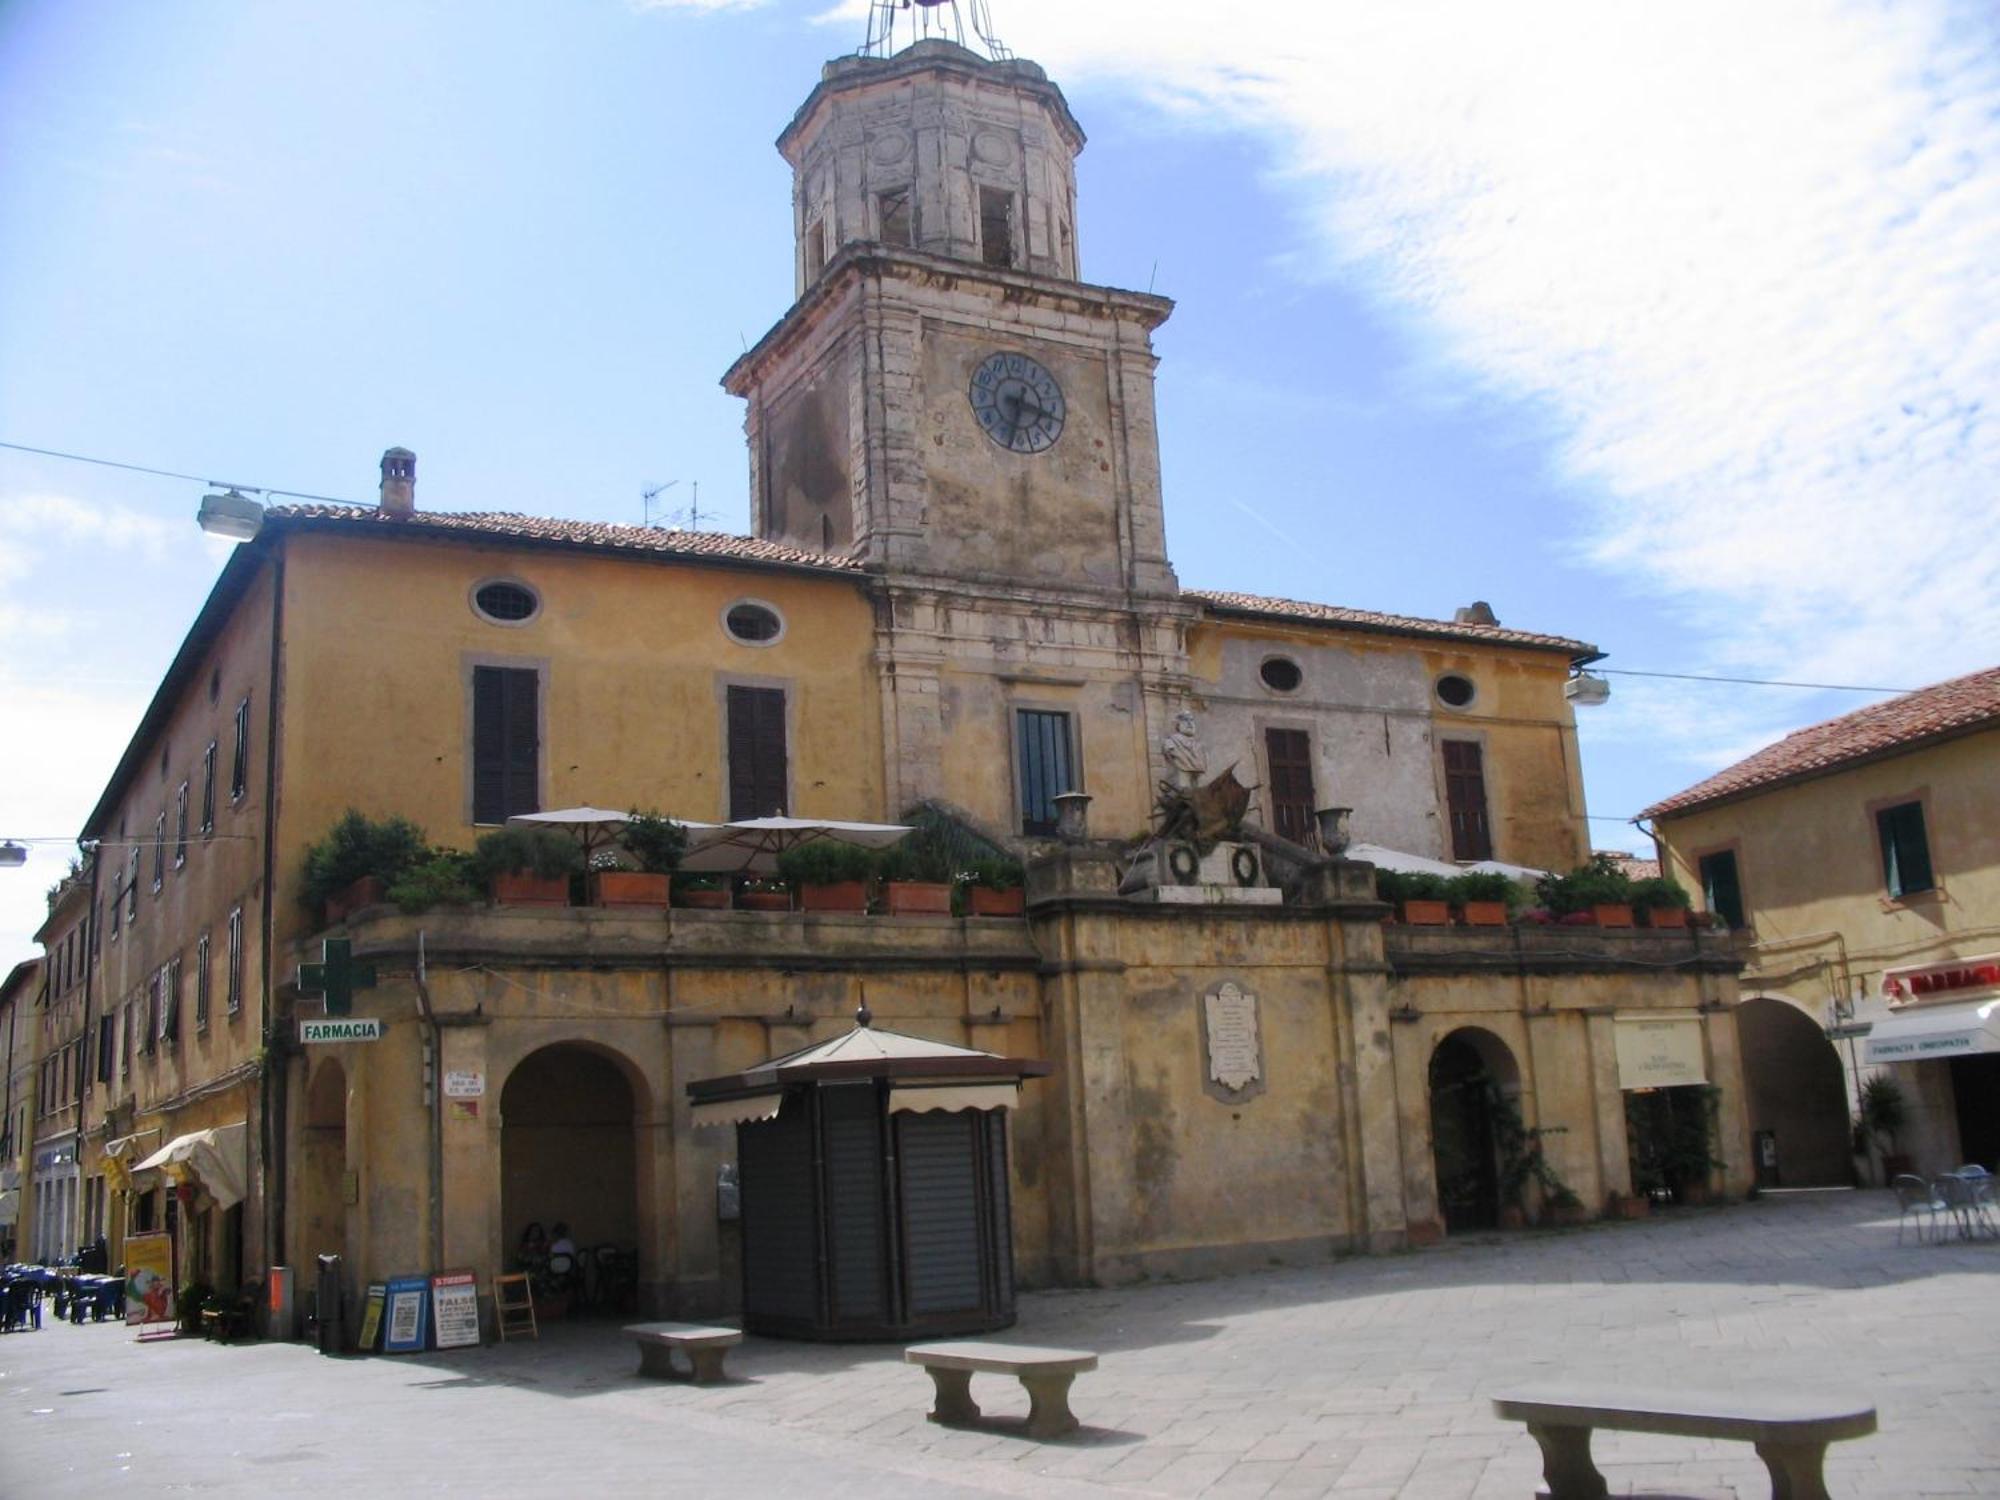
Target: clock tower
950,402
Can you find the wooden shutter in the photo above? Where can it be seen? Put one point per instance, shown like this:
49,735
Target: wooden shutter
1465,799
1290,755
758,773
506,743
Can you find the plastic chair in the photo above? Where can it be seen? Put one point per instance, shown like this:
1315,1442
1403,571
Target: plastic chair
1915,1198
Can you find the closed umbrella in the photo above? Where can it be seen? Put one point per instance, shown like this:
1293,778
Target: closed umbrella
752,846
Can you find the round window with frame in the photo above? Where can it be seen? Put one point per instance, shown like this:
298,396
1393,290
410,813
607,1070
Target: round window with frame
1456,690
1281,674
753,622
505,601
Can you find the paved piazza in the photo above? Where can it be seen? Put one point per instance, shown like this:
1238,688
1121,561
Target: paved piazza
1362,1378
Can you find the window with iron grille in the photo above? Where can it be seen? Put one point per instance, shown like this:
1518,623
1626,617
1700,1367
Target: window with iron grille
233,985
1045,761
1906,849
201,983
239,764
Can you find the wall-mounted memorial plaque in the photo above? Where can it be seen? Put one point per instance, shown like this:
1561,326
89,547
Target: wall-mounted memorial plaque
1232,1047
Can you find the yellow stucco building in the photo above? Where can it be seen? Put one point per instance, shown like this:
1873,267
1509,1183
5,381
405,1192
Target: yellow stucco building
1862,857
957,597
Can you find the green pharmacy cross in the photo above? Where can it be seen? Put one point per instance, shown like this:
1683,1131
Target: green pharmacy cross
336,976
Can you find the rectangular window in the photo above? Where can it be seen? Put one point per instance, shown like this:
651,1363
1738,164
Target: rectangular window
114,908
149,1035
208,788
893,210
506,743
1465,800
996,226
1721,890
170,1001
201,983
759,774
239,765
107,1046
815,248
1906,851
233,983
1045,758
1290,755
131,1028
181,826
160,851
132,888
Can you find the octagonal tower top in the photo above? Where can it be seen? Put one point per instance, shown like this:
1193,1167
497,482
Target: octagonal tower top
936,149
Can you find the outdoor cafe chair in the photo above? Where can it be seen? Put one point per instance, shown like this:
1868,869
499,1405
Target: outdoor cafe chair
1968,1192
1916,1199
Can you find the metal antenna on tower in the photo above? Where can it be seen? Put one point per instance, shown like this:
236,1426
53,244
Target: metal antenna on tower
896,24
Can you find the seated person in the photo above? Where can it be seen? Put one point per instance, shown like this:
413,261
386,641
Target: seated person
534,1247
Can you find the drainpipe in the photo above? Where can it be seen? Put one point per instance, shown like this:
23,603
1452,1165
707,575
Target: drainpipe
272,1127
433,1086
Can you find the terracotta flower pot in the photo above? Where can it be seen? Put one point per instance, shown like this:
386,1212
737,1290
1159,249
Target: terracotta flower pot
702,900
1612,914
629,888
841,895
523,889
917,898
1632,1205
1485,913
1427,913
1666,916
985,901
367,891
763,900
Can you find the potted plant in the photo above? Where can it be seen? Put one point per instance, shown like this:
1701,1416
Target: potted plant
1419,896
828,876
701,892
1884,1113
441,877
527,866
656,844
356,863
763,893
1483,897
1660,902
1598,892
916,881
993,889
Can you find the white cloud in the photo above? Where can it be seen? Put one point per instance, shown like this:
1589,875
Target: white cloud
1742,255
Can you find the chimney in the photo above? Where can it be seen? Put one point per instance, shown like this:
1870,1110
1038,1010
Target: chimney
1478,612
399,482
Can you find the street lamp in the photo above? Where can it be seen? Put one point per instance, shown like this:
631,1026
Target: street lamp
12,854
233,515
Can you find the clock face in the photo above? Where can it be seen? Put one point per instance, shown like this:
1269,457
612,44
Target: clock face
1017,402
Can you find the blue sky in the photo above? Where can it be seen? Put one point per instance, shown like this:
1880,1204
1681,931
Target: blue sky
1675,331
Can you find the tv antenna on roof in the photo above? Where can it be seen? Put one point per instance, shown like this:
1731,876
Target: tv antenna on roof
690,518
896,24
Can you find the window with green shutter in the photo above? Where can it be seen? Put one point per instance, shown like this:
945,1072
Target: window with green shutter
1906,851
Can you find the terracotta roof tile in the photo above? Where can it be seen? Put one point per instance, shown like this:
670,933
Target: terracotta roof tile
1365,619
1928,713
511,526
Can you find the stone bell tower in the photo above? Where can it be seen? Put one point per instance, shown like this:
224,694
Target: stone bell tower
949,401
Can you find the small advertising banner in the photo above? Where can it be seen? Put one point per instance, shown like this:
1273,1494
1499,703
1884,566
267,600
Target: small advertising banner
409,1297
149,1280
371,1316
455,1309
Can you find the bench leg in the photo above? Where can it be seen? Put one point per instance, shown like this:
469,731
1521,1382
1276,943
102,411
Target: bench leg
1566,1465
706,1365
1048,1406
954,1396
657,1360
1797,1470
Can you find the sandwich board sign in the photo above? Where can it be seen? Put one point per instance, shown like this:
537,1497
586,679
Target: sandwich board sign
408,1328
455,1309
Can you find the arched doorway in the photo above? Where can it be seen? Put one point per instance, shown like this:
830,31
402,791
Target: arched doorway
567,1152
323,1164
1796,1092
1471,1073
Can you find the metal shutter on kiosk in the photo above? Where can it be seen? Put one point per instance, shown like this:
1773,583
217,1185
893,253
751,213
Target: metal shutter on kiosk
940,1186
779,1227
851,1131
1001,1207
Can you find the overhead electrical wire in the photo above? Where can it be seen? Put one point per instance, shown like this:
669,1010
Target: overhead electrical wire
1824,687
109,463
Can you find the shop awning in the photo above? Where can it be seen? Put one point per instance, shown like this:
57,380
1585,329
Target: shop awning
215,1158
1932,1031
739,1111
118,1156
956,1096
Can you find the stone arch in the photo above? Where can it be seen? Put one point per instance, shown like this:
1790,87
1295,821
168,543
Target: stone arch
574,1147
1795,1089
1470,1071
323,1163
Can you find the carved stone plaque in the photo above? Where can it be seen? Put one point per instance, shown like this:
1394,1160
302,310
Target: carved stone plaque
1229,1030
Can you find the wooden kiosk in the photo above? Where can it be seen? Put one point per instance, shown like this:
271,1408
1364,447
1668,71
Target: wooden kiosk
873,1175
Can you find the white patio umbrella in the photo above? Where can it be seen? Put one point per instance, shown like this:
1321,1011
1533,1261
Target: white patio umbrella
594,827
752,846
1526,874
1395,859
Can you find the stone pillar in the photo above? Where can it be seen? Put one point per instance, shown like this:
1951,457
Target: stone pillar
1377,1107
473,1234
688,1273
1614,1148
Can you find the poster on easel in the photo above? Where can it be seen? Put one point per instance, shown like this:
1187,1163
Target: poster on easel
149,1283
408,1327
455,1309
371,1316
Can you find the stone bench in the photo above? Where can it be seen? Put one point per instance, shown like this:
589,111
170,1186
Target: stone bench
705,1349
1790,1432
1045,1373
